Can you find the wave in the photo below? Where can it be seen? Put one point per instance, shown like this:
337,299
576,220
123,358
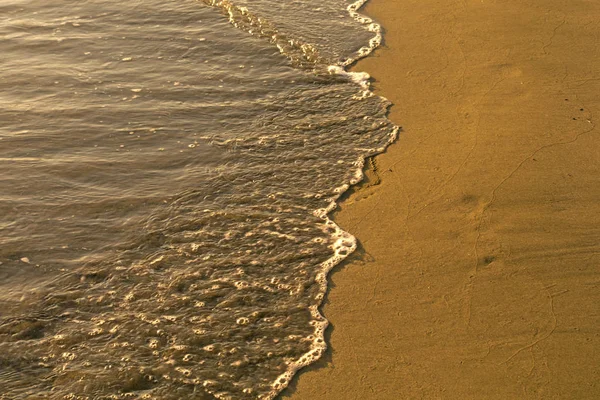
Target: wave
307,56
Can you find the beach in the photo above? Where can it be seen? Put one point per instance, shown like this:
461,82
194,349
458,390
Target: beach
477,274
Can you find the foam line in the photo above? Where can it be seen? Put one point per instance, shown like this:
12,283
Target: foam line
344,243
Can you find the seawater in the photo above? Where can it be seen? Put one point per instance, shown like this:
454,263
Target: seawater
167,167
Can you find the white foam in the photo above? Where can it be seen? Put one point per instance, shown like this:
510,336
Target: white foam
370,26
344,243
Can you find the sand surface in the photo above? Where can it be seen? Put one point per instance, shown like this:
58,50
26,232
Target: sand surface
480,228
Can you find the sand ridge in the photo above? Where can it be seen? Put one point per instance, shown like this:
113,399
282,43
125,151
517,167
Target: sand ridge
480,271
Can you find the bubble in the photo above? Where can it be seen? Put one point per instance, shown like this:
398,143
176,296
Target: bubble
241,284
184,371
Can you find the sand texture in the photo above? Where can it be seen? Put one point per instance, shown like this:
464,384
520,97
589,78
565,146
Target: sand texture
479,276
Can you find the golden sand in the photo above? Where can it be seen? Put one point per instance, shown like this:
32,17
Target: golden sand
480,277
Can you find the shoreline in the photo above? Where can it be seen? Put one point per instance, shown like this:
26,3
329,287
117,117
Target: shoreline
480,227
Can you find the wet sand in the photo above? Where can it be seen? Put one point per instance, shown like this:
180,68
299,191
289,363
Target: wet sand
480,227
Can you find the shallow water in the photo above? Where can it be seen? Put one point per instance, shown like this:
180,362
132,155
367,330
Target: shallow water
167,168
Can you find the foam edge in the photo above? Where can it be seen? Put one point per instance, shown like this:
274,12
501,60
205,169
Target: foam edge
346,243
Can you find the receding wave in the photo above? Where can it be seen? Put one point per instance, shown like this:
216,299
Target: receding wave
165,230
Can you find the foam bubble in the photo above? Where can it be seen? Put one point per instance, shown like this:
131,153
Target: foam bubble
344,243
